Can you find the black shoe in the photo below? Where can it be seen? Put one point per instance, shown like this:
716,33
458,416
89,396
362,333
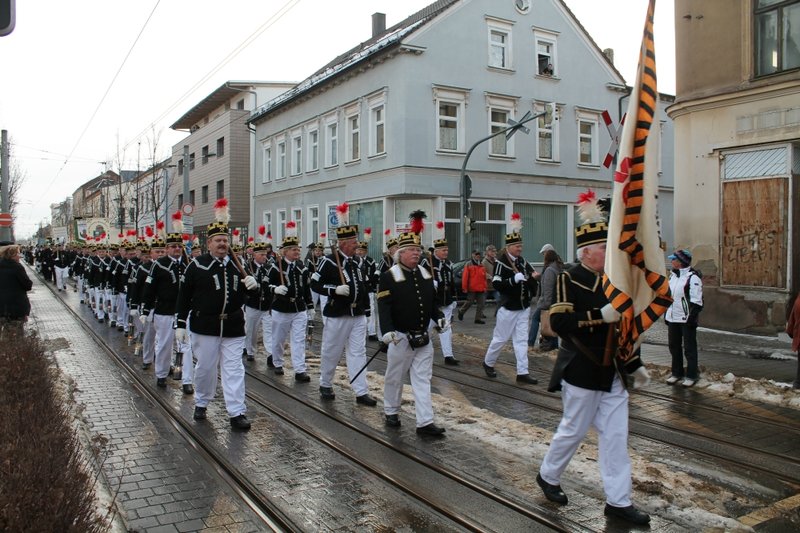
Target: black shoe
244,352
199,413
161,382
251,357
270,364
431,429
366,399
120,328
113,323
393,421
629,513
302,377
326,393
479,321
82,301
145,366
188,388
240,423
278,370
551,492
490,371
100,320
373,338
460,315
526,378
452,361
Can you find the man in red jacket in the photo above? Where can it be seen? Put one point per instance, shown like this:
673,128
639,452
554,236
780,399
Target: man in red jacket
473,282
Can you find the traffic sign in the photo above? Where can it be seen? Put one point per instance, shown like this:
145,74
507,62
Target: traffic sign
187,209
6,221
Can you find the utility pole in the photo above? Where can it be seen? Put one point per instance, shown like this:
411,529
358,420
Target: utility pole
5,201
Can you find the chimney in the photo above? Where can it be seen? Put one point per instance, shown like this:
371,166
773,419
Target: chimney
609,53
378,24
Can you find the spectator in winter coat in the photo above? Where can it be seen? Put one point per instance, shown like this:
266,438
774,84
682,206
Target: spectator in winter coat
473,282
14,285
553,265
681,318
793,329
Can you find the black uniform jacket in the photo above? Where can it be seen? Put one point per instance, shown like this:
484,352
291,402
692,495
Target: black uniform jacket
442,272
406,300
514,296
327,278
384,265
131,270
261,298
119,274
369,269
297,279
97,267
161,286
212,292
136,291
576,315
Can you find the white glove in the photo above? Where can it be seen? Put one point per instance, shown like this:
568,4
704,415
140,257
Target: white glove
519,277
181,335
311,313
281,290
390,337
640,378
435,285
134,314
610,315
343,290
143,319
250,283
443,325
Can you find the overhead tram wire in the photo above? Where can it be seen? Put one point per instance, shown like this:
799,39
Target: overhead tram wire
278,15
97,109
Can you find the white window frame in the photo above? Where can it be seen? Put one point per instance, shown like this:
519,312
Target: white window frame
332,141
266,218
554,134
353,142
507,105
377,127
297,153
280,172
297,218
546,38
313,220
266,170
280,226
502,28
458,98
585,116
313,149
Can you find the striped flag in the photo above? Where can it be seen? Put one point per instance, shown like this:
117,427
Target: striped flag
635,279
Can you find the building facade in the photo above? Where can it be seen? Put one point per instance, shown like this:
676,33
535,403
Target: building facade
737,130
387,125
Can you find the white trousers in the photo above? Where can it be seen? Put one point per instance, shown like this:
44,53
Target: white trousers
373,315
61,277
341,332
99,302
252,319
80,286
165,342
149,341
510,325
122,311
323,300
217,355
418,364
608,413
446,338
293,326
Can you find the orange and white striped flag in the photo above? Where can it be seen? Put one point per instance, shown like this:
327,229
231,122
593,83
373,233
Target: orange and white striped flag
635,280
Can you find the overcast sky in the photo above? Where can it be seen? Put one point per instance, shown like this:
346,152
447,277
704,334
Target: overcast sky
90,81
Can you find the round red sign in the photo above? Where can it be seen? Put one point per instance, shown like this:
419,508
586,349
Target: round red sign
6,220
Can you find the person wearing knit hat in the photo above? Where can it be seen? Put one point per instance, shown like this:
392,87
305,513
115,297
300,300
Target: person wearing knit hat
441,268
212,293
593,391
342,281
407,307
370,269
515,279
686,286
292,306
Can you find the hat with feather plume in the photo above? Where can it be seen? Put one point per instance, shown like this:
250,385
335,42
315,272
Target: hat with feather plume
221,218
593,215
344,229
514,227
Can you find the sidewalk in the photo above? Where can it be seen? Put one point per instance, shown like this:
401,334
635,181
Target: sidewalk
752,356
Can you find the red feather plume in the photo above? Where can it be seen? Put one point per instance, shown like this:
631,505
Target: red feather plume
262,230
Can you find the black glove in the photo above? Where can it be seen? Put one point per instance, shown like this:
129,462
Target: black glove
694,315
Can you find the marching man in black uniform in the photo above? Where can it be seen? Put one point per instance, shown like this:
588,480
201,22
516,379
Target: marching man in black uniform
212,293
312,264
61,262
341,280
407,306
441,268
292,306
257,305
370,271
593,392
514,279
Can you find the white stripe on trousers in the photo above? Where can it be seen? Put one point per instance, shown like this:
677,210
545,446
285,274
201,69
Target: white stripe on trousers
418,364
293,326
215,354
446,338
122,311
341,331
149,340
608,413
165,341
252,318
510,325
373,312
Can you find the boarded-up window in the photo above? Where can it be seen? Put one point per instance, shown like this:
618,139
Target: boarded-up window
754,222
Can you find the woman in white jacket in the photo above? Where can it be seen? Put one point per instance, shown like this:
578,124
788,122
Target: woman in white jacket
681,318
